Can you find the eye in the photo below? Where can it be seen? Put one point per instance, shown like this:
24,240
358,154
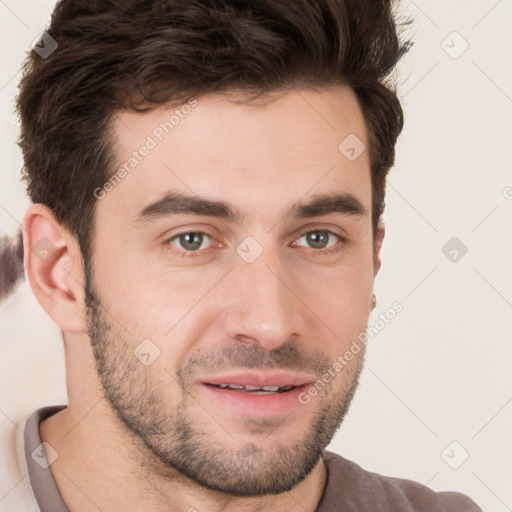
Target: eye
190,242
319,239
194,243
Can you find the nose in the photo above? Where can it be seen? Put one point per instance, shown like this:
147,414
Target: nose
260,304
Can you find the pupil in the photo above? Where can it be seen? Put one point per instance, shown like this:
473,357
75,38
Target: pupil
317,239
188,238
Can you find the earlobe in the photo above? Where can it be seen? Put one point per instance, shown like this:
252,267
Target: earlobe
53,266
379,238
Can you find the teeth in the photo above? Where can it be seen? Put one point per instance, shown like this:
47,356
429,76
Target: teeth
268,388
258,390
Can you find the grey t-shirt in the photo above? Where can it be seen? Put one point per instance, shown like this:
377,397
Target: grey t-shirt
349,487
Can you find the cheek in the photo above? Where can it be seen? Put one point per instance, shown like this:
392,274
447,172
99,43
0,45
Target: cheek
346,308
342,303
167,308
143,297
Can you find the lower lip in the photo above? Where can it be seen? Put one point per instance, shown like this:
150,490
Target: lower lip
248,404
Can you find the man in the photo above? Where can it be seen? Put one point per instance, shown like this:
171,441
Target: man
208,181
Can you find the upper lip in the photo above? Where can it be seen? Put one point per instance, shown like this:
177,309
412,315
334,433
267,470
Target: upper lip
260,379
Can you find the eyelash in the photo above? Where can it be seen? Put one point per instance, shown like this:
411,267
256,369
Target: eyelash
192,254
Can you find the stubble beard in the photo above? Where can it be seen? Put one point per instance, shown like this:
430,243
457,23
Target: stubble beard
180,443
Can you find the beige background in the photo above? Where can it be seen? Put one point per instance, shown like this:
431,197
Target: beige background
440,371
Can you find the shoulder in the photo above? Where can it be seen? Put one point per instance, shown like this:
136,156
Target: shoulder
15,490
356,489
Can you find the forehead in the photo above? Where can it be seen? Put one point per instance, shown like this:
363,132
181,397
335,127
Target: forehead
261,158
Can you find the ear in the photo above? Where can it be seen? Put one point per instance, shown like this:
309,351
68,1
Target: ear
379,238
54,267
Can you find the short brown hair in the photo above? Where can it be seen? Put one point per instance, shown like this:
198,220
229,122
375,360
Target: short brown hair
115,55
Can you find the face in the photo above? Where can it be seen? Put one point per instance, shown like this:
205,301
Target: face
231,266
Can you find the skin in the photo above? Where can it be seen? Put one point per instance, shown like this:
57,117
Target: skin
292,308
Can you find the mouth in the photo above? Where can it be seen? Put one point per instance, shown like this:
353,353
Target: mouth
256,395
255,390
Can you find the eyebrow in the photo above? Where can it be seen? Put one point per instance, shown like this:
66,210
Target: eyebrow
176,203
